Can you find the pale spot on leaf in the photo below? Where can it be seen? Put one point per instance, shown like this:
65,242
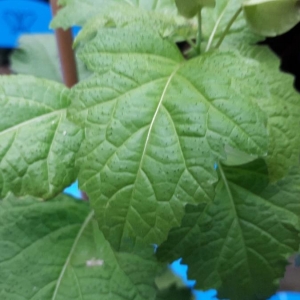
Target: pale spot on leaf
94,262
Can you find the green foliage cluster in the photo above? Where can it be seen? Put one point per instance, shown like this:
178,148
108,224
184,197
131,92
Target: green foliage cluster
195,151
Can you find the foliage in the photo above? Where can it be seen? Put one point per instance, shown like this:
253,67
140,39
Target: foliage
190,8
198,156
32,53
37,142
54,250
171,287
272,17
253,220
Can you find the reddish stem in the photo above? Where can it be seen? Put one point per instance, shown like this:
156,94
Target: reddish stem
66,54
67,58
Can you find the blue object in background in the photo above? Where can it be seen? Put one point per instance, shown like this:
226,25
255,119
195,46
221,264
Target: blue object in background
18,17
73,190
181,271
286,296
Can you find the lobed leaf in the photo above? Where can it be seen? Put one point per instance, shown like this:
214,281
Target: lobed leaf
240,242
37,143
54,251
155,125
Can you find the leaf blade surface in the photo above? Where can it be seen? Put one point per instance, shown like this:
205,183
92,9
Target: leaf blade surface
261,16
250,239
151,143
38,143
60,254
281,106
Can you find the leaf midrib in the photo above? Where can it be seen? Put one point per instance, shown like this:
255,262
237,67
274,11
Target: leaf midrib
235,215
156,113
146,143
80,232
213,33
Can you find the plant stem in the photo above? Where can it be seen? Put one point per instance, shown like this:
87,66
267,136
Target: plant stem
234,17
212,35
199,35
64,41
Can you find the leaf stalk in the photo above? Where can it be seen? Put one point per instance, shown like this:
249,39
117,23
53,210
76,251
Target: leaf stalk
66,54
199,35
234,17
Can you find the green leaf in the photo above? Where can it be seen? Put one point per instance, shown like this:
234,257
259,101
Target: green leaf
120,14
272,17
168,26
283,111
54,251
168,279
227,22
175,293
171,287
282,108
252,176
240,243
155,124
37,55
189,8
216,20
207,3
235,157
37,142
78,12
